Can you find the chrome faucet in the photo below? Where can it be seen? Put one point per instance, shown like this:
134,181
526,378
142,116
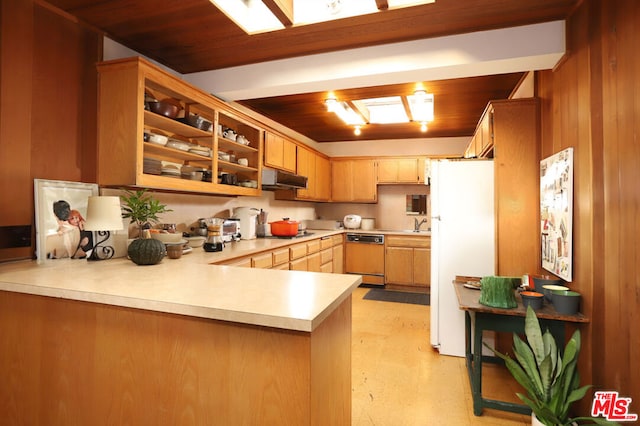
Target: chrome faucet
416,225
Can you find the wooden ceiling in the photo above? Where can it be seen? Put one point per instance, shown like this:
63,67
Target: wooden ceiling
193,35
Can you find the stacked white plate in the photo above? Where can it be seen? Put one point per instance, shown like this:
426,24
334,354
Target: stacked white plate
181,145
171,169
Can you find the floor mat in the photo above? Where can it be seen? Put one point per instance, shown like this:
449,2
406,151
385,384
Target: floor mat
397,296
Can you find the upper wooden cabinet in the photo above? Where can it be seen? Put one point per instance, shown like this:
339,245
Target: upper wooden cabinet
125,158
401,170
353,180
481,145
279,152
516,157
317,169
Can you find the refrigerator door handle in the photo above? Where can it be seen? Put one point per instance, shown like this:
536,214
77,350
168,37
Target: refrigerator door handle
436,217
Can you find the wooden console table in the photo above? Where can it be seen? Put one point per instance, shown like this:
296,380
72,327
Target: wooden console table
504,320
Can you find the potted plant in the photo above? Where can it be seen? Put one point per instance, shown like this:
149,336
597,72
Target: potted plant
142,209
550,378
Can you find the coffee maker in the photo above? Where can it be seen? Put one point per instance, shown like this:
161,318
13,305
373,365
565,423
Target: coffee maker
248,221
214,241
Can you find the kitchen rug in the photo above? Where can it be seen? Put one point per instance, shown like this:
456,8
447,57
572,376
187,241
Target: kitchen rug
397,296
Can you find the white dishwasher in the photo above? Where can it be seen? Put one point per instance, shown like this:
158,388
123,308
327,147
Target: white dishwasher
364,255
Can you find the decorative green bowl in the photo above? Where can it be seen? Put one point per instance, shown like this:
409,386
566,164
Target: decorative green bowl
499,292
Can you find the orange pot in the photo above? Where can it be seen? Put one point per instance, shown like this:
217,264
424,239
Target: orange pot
284,228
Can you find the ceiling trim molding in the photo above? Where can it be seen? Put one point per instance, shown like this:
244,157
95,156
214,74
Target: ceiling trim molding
516,49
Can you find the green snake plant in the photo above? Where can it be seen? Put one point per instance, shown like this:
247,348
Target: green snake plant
550,378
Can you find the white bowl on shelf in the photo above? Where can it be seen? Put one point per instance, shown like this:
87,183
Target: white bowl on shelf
158,139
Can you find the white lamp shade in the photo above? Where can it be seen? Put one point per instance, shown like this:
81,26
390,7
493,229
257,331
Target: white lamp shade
103,214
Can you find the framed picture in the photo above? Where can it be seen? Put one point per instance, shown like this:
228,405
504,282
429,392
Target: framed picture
61,209
556,213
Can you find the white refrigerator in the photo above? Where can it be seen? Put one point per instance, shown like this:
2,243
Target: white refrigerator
462,241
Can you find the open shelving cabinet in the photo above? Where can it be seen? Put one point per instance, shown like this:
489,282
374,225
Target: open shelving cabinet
123,121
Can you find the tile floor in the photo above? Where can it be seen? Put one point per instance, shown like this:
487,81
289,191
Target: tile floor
398,379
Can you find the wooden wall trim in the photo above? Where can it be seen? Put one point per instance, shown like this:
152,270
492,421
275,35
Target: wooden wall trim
590,102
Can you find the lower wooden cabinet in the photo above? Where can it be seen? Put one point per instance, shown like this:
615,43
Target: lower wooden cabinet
264,260
338,259
313,262
298,264
408,261
318,255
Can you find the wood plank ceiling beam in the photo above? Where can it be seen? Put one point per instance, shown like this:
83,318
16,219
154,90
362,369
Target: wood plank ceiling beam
382,4
282,9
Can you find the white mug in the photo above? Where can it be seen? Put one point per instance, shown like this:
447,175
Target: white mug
243,161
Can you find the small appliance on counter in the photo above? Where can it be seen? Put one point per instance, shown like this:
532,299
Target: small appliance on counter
367,223
263,229
248,221
352,221
231,230
214,240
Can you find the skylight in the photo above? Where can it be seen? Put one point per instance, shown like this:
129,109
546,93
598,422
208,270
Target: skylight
259,16
386,110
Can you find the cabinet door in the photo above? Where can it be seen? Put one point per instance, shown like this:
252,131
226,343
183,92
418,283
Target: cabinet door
281,256
264,260
326,256
399,265
304,168
289,153
313,246
387,170
279,152
273,151
422,267
338,259
407,170
363,181
486,133
327,268
313,262
297,251
323,178
341,176
298,264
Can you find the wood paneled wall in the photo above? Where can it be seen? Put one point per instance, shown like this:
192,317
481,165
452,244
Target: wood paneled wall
590,102
48,91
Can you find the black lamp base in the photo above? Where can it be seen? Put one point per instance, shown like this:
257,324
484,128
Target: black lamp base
103,252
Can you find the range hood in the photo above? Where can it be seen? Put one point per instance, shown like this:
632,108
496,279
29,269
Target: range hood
277,179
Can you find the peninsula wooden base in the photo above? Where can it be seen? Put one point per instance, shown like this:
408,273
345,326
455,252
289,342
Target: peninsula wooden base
71,362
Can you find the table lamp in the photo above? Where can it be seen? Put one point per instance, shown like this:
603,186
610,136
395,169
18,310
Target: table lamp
103,216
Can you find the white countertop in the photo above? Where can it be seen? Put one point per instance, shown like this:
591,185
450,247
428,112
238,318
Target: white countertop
193,286
190,286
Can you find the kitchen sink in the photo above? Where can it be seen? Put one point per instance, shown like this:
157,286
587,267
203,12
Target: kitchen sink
407,231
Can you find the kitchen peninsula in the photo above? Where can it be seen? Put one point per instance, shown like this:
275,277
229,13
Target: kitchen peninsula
181,342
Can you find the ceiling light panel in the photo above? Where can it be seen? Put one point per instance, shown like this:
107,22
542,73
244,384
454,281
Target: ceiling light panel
421,105
253,16
385,110
314,11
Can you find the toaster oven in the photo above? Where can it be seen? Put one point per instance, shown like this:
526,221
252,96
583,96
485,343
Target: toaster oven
231,230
